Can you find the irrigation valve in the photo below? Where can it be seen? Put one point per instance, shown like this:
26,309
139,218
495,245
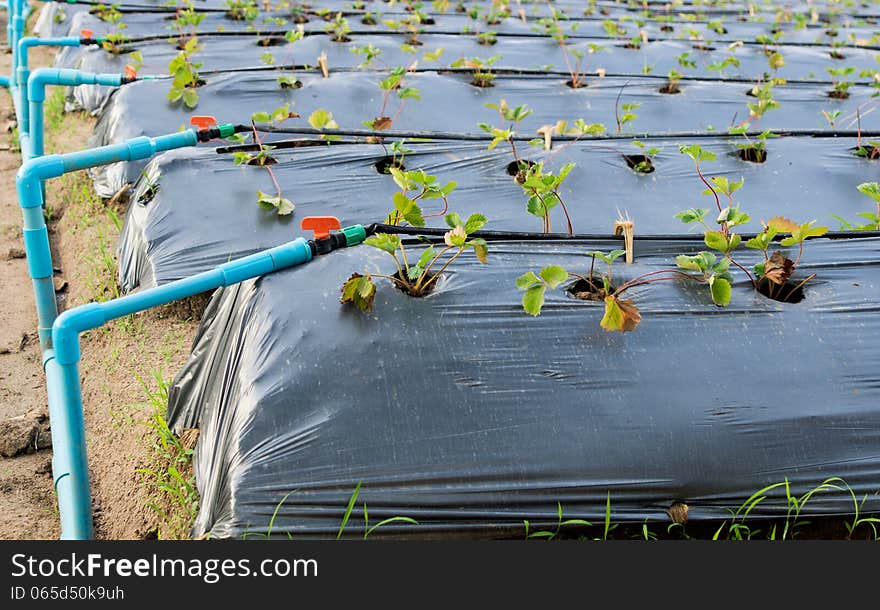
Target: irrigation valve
325,241
87,37
202,122
130,72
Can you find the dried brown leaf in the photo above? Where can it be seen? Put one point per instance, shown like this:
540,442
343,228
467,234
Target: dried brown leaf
779,268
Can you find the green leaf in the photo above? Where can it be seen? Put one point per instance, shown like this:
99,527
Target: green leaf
190,98
475,222
426,257
716,240
453,220
261,117
384,241
554,275
696,152
691,263
527,280
533,299
871,189
692,215
613,318
360,291
481,249
720,289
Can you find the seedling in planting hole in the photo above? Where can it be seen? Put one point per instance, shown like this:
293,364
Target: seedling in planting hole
487,39
542,190
291,81
185,22
643,163
872,190
411,25
369,18
671,86
338,29
420,278
482,75
577,71
392,84
753,150
776,270
684,61
115,41
840,88
277,202
322,119
185,75
716,26
871,151
399,151
242,10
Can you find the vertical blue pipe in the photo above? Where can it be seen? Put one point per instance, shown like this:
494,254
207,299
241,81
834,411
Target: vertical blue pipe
70,469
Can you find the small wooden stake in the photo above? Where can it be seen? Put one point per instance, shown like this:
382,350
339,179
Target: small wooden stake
626,227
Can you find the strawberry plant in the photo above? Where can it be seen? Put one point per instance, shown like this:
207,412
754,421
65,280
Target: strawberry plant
242,10
872,190
185,75
482,75
542,191
113,42
870,150
720,66
411,25
642,163
628,114
673,78
368,53
775,271
186,20
338,29
393,84
419,278
261,158
840,88
755,150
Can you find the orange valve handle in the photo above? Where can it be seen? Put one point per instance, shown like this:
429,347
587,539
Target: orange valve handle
202,122
130,72
87,34
320,225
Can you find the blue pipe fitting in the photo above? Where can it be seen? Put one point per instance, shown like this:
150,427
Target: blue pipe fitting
69,462
35,95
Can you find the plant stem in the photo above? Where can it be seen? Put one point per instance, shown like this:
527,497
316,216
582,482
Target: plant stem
744,270
431,264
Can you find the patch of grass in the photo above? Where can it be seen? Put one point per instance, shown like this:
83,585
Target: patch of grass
168,478
53,110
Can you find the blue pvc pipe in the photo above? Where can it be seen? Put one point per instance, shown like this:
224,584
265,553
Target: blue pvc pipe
36,94
69,462
21,69
28,184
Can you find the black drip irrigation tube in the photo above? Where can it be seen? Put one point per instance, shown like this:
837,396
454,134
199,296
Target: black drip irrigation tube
535,35
480,137
515,236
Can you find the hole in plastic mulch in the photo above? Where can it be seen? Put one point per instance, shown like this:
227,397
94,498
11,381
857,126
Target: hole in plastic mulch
871,153
753,155
836,55
271,41
384,165
640,164
519,168
588,290
838,94
670,90
791,292
426,289
704,47
579,85
260,162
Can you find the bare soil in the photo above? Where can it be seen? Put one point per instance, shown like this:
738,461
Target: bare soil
119,362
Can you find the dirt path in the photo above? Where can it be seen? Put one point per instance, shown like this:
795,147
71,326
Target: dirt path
124,363
27,496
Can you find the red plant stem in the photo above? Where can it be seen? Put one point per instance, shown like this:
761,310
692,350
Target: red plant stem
266,167
744,270
565,211
709,186
640,279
